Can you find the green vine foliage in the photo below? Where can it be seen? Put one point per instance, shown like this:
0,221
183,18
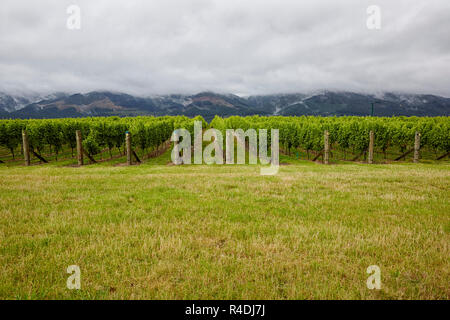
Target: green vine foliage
98,133
349,133
305,132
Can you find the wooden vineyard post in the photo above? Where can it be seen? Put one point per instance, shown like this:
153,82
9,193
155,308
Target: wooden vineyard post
326,153
371,143
26,148
417,147
79,148
128,146
443,156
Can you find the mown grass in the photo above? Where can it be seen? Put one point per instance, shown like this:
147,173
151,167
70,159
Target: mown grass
156,231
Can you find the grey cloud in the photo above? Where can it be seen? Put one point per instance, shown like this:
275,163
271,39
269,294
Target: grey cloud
247,47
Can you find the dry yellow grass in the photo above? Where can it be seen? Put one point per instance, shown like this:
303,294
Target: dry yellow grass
225,232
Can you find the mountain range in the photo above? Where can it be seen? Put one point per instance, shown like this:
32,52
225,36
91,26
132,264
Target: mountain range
209,104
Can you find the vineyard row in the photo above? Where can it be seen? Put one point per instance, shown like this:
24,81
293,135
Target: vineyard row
357,135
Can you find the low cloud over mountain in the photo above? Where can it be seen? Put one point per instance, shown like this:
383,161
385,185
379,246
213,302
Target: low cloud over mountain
249,47
209,104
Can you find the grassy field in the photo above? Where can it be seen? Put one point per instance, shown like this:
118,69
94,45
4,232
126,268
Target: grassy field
224,232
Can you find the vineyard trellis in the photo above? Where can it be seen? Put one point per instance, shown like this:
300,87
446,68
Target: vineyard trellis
349,134
98,133
355,136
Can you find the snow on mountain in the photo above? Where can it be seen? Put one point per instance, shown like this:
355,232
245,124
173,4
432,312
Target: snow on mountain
14,102
209,104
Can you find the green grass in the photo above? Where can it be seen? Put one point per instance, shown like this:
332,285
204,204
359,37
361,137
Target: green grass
156,231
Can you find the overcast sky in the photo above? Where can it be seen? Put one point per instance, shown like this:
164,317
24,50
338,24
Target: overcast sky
239,46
